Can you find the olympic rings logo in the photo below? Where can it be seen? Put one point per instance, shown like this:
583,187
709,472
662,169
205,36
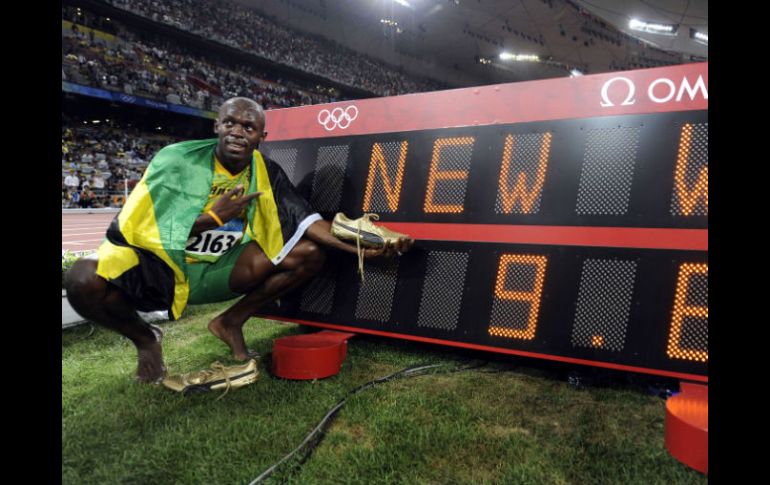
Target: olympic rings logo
338,117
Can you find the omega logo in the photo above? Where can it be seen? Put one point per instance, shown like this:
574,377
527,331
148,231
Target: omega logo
659,91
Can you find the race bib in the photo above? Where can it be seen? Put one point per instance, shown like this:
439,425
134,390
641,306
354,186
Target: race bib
211,245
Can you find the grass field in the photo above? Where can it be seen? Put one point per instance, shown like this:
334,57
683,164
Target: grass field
506,422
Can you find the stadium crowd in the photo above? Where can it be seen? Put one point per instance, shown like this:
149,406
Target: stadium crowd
244,29
162,70
101,161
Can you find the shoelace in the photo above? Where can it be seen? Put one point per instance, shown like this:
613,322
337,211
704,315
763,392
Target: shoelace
217,366
359,250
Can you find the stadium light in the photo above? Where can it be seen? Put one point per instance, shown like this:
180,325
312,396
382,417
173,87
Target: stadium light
96,122
575,73
404,3
653,28
699,37
507,56
389,22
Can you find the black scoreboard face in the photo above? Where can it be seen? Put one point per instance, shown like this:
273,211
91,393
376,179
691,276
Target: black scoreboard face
581,240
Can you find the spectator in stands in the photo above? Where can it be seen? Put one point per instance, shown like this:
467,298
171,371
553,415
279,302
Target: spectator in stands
86,198
117,201
220,202
71,181
173,98
99,201
74,198
87,158
98,182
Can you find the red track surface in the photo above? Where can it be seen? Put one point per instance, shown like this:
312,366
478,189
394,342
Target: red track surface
81,232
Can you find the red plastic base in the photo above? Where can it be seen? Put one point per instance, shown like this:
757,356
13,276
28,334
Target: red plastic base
311,356
687,429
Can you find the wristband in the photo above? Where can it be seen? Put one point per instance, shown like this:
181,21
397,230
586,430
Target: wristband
215,217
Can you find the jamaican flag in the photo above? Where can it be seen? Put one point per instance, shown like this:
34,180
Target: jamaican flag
144,250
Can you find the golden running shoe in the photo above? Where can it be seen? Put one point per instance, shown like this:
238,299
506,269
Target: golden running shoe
218,377
364,233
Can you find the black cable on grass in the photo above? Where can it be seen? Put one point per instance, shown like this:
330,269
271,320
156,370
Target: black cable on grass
314,437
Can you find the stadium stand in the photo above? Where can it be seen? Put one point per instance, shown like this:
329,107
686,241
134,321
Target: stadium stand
245,29
153,67
100,162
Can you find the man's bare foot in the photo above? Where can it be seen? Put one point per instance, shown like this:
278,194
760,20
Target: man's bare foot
150,368
232,335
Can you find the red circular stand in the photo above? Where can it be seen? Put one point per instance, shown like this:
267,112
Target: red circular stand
310,356
687,429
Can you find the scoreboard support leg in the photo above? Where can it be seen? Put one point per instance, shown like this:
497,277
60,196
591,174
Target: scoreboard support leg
311,356
687,426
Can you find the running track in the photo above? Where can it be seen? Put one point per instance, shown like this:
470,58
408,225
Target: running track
82,232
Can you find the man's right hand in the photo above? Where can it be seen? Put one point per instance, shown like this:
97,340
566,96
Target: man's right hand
232,203
389,250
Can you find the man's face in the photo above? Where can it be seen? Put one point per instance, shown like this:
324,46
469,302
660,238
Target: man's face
240,129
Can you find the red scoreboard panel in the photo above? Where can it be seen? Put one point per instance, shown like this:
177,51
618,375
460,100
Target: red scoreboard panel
562,219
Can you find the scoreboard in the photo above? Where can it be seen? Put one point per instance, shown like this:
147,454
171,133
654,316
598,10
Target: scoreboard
560,219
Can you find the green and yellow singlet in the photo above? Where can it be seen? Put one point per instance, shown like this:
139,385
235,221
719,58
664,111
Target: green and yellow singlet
210,245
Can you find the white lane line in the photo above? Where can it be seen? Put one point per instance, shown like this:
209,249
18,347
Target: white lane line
90,226
79,233
89,223
81,242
